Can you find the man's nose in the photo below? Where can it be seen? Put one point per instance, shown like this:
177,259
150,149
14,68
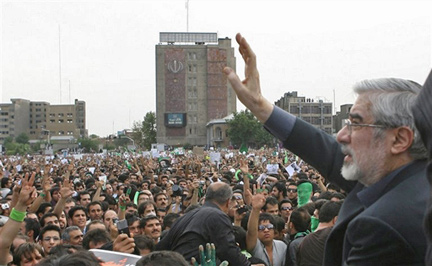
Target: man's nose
343,135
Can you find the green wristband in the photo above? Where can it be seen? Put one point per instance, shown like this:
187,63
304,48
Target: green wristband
42,195
17,215
123,208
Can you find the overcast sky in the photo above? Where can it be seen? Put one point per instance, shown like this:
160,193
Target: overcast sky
318,48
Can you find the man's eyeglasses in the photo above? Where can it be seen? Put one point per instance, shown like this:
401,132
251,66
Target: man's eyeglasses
287,208
262,227
292,190
350,125
238,197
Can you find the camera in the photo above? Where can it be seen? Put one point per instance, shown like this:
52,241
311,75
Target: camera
122,227
5,206
242,209
177,191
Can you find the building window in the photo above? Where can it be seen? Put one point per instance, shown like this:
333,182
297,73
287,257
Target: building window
51,115
61,132
61,121
52,121
70,121
60,115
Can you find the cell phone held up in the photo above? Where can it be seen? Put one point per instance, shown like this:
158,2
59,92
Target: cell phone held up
122,227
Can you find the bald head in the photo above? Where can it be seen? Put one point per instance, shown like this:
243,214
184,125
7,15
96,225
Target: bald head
219,193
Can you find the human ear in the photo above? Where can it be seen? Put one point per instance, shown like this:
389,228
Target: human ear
403,139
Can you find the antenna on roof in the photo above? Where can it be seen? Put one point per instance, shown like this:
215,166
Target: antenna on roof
59,50
187,15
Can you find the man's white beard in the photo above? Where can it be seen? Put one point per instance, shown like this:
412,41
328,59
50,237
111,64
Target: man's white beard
373,165
351,171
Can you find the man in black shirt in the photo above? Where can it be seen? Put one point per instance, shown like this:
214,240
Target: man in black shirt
208,224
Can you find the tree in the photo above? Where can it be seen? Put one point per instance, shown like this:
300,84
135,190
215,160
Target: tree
94,136
144,133
19,146
245,129
89,144
22,138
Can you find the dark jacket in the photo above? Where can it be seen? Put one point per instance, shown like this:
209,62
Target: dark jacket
207,224
422,111
380,225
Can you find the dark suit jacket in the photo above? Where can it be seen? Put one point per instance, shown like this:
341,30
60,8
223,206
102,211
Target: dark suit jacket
380,229
207,224
422,111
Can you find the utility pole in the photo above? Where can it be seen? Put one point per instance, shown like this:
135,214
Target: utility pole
60,76
187,15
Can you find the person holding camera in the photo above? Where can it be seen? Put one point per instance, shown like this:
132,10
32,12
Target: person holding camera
177,199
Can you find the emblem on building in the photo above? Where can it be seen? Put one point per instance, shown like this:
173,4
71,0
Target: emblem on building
175,66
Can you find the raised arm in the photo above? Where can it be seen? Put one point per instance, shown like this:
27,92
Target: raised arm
258,201
46,186
249,91
244,167
99,185
16,217
66,191
297,135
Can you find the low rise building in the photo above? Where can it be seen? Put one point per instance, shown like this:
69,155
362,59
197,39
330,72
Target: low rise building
43,122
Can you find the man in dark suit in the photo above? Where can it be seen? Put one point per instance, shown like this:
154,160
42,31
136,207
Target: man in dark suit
377,157
423,118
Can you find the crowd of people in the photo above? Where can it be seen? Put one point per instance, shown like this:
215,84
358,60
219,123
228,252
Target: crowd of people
60,205
358,199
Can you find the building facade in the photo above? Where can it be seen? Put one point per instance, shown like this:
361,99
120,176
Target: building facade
217,132
191,89
338,119
42,121
317,113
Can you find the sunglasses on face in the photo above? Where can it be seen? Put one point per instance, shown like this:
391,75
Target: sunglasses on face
262,227
287,208
292,190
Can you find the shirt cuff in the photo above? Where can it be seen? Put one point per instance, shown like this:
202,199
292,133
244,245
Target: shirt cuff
280,123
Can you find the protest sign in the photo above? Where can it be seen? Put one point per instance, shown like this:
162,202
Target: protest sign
112,258
272,169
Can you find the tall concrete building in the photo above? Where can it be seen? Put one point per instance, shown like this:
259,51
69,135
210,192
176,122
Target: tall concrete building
338,119
42,121
317,113
191,89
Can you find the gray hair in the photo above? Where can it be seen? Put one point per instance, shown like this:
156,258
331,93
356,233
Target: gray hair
65,235
392,100
219,194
